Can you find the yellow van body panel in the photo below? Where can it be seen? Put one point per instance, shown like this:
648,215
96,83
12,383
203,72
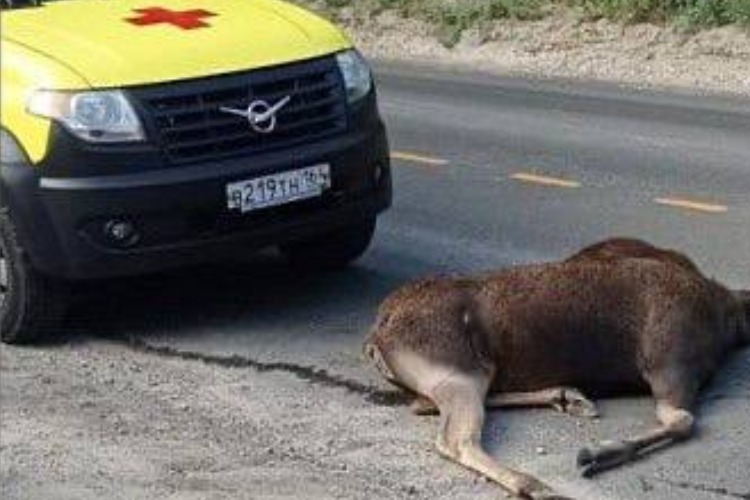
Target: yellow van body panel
23,71
96,39
74,44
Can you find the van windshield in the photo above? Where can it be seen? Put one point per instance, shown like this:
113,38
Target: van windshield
21,4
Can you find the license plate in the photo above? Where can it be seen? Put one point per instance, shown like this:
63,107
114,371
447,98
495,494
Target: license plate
278,189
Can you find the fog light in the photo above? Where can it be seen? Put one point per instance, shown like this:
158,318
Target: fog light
121,233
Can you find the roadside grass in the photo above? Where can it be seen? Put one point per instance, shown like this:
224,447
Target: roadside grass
452,17
689,14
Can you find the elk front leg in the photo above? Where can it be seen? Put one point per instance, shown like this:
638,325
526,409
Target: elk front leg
460,399
563,399
674,391
676,425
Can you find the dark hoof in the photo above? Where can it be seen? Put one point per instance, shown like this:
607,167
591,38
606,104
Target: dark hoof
604,457
540,491
585,457
577,405
591,470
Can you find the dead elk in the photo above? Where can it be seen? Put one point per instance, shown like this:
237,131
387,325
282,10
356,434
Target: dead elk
620,316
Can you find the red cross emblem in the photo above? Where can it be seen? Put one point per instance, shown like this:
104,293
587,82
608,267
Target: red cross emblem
186,19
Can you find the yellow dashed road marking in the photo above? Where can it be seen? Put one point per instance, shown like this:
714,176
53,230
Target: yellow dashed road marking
418,158
692,205
544,180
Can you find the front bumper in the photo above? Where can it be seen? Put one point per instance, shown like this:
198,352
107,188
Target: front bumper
181,213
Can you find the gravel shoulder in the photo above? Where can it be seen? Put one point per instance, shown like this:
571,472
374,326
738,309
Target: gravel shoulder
562,46
102,419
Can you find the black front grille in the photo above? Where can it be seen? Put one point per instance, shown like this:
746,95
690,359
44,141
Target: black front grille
190,125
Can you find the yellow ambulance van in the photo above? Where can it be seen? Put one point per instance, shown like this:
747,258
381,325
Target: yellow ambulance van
140,135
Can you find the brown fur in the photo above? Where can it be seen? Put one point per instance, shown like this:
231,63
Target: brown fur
621,315
615,248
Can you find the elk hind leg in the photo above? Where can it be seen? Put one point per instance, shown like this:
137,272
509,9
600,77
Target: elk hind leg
460,400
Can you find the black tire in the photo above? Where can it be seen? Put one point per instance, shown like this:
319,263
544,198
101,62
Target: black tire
31,305
331,250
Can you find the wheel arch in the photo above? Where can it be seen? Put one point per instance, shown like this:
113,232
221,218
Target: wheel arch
19,195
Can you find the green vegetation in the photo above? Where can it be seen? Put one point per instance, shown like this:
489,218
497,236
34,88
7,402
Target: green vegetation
452,17
689,13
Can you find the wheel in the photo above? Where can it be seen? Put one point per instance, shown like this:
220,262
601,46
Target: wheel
31,305
331,250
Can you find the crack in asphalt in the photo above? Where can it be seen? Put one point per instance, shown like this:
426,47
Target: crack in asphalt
307,373
716,490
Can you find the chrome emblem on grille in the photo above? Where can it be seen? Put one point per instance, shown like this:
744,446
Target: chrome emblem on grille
259,114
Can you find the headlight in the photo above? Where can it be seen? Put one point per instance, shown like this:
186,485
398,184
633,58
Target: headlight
356,73
97,116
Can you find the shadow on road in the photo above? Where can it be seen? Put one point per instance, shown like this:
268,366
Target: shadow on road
247,293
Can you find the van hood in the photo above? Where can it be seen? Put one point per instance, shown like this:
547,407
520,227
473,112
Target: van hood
114,43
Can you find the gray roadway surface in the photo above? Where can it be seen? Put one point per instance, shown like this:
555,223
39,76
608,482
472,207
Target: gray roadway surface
466,213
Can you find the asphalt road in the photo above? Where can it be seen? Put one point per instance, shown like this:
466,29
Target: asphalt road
489,172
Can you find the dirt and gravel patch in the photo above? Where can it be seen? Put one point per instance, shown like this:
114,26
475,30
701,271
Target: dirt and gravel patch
100,418
104,419
563,45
